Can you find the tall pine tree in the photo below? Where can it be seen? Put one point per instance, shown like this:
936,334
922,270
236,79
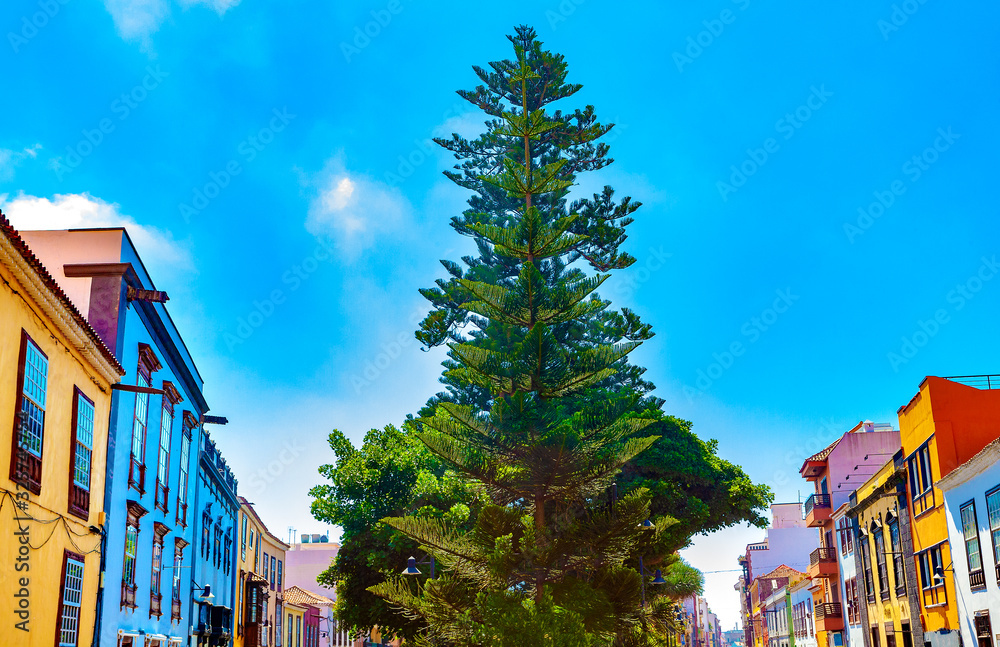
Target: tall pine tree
540,432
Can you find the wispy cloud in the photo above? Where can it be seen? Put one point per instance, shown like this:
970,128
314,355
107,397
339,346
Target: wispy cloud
355,210
11,159
138,20
77,211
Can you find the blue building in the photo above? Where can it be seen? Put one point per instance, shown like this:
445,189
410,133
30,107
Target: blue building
154,439
217,508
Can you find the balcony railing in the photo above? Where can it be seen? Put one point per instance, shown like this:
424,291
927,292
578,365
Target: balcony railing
977,381
155,605
817,501
175,610
828,610
823,556
128,595
977,579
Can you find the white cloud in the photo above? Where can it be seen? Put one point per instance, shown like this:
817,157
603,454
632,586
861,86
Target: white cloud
78,211
11,159
140,19
137,19
355,210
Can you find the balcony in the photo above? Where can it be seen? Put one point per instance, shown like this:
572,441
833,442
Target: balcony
829,617
823,563
818,510
977,580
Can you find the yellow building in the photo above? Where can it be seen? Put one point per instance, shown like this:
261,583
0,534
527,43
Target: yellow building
55,402
880,599
294,625
946,423
260,564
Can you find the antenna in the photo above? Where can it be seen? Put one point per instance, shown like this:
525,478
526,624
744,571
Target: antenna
291,534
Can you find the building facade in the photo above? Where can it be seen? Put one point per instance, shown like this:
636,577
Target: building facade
56,381
853,629
882,599
803,626
856,454
260,606
972,508
946,423
156,415
217,508
789,542
306,560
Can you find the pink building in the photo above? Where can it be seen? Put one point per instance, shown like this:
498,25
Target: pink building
304,561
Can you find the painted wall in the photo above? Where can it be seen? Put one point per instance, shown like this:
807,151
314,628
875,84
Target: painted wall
124,325
848,570
252,546
800,594
43,555
968,602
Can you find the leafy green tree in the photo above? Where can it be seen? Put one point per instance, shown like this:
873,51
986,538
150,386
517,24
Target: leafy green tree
546,555
688,488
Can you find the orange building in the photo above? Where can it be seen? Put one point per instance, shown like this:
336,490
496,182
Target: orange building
946,423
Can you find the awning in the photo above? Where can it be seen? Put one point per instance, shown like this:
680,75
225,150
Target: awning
174,640
126,633
155,638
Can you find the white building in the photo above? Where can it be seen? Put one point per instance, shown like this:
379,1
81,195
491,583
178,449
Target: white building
848,577
803,623
972,509
777,616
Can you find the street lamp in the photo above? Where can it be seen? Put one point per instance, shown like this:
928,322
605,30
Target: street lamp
643,574
411,566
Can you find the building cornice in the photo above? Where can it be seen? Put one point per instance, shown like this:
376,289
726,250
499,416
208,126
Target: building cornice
43,290
971,468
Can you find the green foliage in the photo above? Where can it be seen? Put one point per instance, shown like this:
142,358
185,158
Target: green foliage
504,475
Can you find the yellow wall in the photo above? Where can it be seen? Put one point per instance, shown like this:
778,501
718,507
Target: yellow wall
268,544
298,619
930,527
896,609
54,530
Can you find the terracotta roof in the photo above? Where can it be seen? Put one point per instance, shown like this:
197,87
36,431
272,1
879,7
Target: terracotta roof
22,247
821,456
296,595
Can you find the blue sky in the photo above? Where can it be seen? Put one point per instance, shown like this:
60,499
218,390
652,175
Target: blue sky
754,133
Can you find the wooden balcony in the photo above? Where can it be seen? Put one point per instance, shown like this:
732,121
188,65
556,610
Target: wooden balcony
829,617
818,510
175,610
128,596
823,563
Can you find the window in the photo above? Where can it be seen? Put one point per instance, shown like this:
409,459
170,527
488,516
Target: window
243,540
866,561
921,480
206,534
273,578
81,448
931,565
279,575
29,421
70,600
227,555
970,532
217,546
984,629
291,643
175,597
163,462
155,593
182,481
883,572
298,631
277,624
898,570
135,512
267,632
993,512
